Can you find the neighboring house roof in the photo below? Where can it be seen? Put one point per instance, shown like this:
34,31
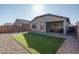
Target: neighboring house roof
21,21
8,24
52,15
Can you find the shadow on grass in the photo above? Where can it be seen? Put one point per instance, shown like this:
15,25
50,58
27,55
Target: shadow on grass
42,43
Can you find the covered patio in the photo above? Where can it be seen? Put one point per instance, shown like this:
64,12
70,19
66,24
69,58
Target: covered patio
56,27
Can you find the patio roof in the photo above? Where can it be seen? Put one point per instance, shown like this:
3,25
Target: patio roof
52,15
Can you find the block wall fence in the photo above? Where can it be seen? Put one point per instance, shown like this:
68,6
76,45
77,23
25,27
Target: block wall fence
14,28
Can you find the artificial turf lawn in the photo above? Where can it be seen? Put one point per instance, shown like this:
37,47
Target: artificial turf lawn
38,43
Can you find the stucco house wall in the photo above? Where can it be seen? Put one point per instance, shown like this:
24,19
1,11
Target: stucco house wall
47,18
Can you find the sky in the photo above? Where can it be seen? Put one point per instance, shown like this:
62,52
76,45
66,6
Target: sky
10,12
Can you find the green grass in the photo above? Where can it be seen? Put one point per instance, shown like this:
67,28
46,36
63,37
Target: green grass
37,43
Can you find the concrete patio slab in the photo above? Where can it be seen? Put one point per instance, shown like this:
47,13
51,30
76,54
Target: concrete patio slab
70,46
9,46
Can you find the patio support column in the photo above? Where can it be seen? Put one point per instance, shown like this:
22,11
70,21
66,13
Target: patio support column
44,26
64,27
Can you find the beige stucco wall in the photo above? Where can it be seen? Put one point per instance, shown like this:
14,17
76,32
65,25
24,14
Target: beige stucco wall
38,27
46,19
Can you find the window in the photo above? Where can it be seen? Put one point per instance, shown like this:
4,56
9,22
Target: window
34,25
20,25
42,25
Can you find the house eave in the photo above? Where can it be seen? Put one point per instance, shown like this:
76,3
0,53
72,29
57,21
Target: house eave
51,15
